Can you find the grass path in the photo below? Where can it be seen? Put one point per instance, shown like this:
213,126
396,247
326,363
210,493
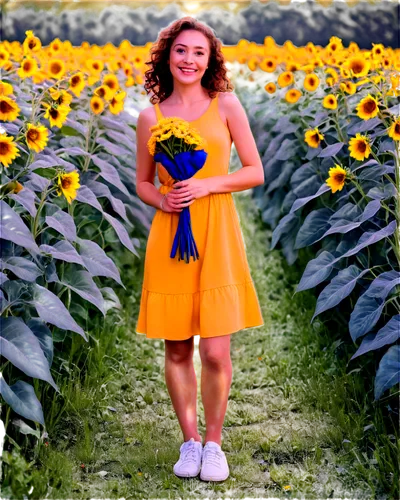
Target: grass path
279,439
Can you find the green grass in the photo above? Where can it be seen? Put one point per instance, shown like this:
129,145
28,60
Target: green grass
295,420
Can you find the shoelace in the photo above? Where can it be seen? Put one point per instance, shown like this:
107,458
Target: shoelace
212,456
189,452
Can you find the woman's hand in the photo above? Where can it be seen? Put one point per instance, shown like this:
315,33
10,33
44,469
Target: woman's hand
184,193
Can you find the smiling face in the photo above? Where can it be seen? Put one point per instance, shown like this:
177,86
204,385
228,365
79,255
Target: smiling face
189,56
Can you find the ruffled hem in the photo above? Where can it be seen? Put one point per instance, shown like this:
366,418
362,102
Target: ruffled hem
208,313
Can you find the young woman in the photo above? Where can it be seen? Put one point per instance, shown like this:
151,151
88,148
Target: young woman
213,296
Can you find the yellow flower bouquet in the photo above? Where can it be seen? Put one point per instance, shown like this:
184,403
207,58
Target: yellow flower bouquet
173,143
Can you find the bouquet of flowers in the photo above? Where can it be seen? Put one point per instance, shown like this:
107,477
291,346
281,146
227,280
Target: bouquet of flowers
173,144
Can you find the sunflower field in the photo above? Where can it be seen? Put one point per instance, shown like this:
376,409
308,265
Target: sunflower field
328,130
327,125
67,156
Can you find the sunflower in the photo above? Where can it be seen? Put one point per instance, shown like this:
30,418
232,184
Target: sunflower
111,81
31,43
353,48
378,50
117,103
104,92
9,109
313,137
270,87
311,82
4,57
56,68
345,72
367,108
394,130
56,46
77,83
29,67
8,149
5,88
286,78
37,137
359,147
68,184
334,76
61,97
348,87
56,114
268,64
337,178
358,66
95,65
330,102
252,63
96,104
387,62
293,95
335,44
128,69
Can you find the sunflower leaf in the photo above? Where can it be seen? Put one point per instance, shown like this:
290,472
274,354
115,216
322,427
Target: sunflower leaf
22,399
331,150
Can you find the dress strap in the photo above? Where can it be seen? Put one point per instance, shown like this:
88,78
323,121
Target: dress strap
158,111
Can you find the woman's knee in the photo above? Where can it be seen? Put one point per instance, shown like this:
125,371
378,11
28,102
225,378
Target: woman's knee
215,354
179,351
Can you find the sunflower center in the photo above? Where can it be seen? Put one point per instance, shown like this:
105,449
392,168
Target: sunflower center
361,146
96,66
4,148
370,106
33,134
270,64
32,44
55,67
331,101
110,84
315,137
27,66
54,113
397,128
5,107
75,80
357,67
339,177
311,81
66,182
101,92
96,105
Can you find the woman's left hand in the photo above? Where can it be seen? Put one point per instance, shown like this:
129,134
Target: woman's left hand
189,190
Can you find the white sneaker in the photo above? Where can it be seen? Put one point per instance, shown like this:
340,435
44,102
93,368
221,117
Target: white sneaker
214,464
189,463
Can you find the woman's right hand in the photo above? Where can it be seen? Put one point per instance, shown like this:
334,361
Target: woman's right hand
172,206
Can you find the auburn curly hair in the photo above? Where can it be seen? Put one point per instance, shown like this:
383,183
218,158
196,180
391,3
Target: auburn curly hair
158,79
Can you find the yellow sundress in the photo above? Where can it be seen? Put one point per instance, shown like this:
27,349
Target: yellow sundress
214,295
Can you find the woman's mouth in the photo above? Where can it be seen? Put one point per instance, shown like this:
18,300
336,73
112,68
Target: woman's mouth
187,71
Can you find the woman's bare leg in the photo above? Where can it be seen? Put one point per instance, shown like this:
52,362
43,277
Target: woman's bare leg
180,378
216,378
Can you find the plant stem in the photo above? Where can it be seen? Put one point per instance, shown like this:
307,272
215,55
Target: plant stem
397,202
87,144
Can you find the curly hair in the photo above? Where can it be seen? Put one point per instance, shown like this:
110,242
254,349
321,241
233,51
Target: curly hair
158,79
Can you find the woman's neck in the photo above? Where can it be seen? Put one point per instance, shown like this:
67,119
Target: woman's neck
186,96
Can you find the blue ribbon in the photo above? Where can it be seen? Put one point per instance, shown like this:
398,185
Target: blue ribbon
184,165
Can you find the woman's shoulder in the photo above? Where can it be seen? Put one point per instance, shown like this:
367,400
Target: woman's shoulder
148,115
228,102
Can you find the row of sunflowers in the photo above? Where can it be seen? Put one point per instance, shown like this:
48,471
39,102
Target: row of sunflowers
67,200
330,141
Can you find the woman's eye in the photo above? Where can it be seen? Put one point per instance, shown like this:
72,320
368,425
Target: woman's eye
198,53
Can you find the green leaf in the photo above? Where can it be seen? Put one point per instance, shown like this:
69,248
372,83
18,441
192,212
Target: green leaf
48,173
67,130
